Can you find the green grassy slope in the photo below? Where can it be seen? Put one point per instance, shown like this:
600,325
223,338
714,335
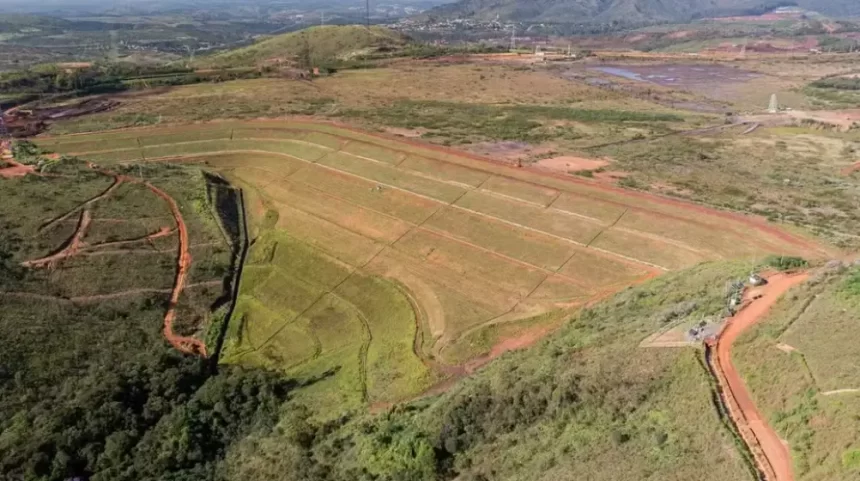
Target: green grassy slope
587,403
802,366
324,43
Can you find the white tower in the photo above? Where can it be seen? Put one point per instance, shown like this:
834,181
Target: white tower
774,105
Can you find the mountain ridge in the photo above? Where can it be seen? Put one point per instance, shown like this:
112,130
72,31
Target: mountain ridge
600,11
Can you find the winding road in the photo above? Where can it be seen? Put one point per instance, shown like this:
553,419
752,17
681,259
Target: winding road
770,451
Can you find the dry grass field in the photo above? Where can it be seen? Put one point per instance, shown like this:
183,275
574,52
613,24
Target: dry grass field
377,263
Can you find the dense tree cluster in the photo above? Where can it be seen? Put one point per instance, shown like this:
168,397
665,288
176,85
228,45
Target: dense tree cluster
162,419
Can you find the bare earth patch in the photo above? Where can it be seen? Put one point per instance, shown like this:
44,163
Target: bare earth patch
571,164
16,170
408,133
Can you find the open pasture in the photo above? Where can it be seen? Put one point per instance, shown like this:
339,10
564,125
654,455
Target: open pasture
374,256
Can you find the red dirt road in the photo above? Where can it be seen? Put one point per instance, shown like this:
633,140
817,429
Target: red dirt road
188,345
771,453
74,245
185,344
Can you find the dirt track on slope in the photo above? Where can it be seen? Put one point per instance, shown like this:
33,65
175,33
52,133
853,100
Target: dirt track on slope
15,169
73,245
185,344
188,345
770,452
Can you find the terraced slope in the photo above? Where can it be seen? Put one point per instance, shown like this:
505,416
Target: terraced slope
380,266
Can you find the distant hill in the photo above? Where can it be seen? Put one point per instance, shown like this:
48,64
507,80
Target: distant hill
627,11
322,43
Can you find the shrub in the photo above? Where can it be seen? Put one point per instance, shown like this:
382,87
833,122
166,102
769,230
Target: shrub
852,284
851,459
786,263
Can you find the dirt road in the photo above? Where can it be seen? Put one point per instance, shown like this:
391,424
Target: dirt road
186,344
770,451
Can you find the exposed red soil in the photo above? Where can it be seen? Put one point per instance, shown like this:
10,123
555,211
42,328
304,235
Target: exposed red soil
29,122
185,344
851,169
73,247
522,340
15,169
845,119
771,453
188,345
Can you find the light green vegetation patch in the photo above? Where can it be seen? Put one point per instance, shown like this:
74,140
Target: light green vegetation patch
801,366
355,331
393,369
445,171
512,247
599,270
329,41
343,244
588,207
375,152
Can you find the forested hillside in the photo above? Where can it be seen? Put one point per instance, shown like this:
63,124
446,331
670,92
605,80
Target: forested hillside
89,388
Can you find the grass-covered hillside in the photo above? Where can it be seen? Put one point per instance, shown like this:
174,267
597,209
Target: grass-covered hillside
324,43
801,365
587,403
